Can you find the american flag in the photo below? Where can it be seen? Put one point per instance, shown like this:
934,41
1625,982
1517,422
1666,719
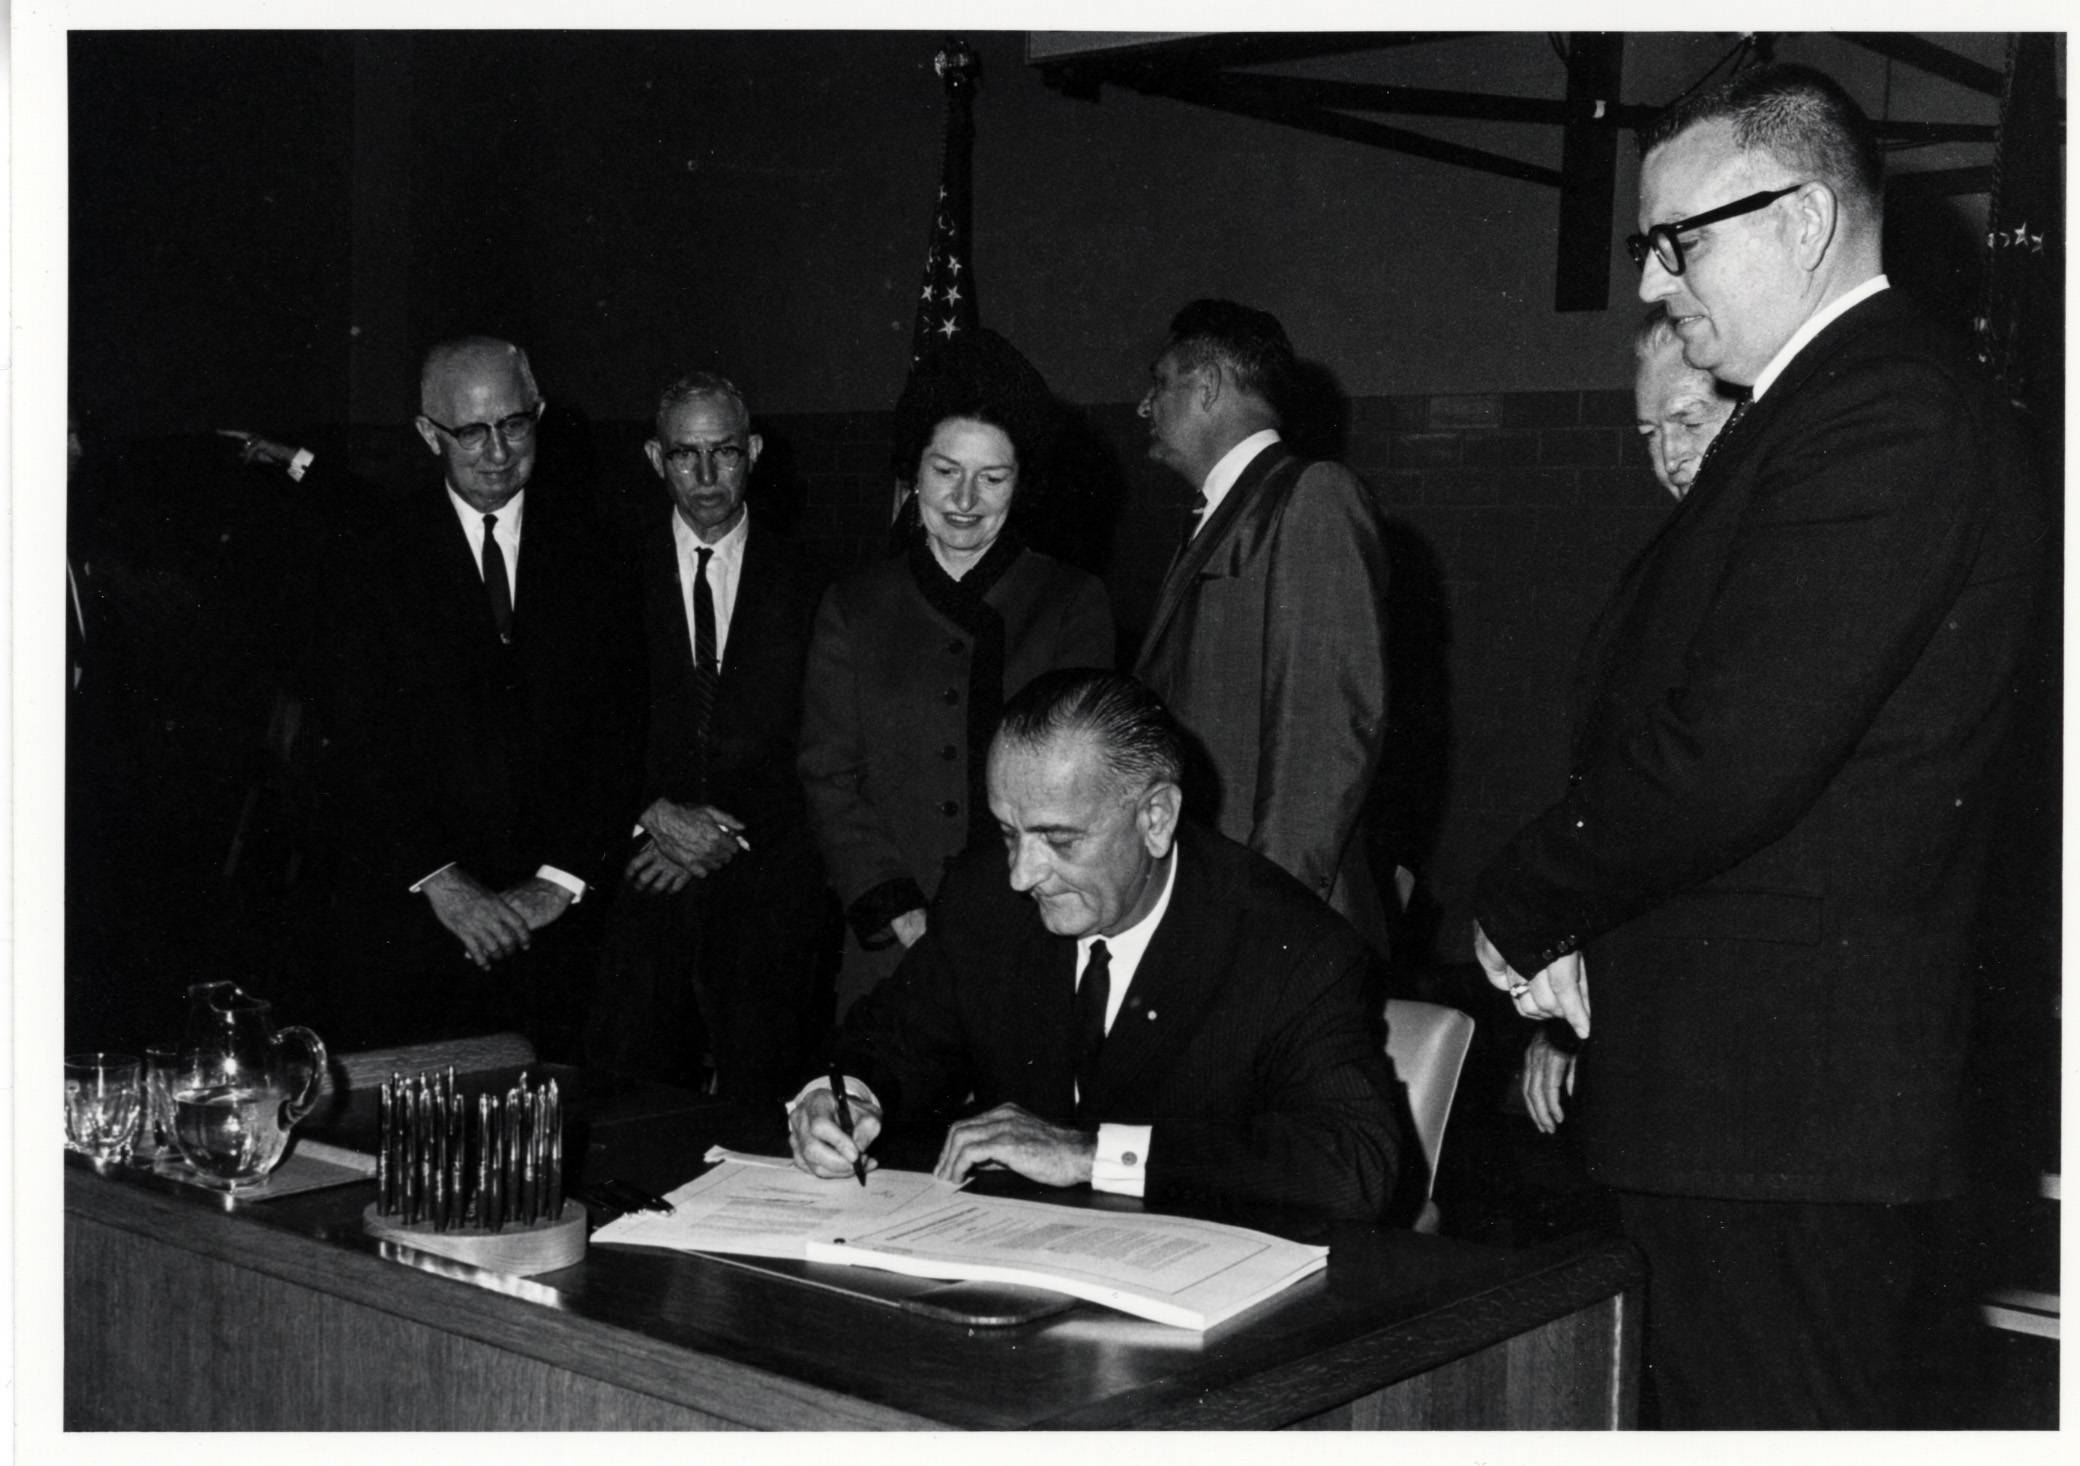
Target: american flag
946,295
2021,322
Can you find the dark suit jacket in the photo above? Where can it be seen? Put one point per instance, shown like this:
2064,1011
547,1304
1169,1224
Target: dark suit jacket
1269,643
1247,1040
742,942
747,766
500,758
1785,723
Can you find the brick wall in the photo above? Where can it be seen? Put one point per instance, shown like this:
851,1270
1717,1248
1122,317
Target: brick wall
1511,515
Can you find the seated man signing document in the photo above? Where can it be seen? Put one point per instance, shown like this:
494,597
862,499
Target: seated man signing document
1143,1006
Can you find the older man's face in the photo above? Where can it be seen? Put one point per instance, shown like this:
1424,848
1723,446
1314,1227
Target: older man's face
1084,851
704,452
1739,297
481,389
1680,411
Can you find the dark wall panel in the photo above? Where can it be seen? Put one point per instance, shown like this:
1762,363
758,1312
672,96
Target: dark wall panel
211,213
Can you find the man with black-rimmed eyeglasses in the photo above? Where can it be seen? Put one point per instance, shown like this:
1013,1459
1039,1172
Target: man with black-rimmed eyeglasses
485,654
1788,726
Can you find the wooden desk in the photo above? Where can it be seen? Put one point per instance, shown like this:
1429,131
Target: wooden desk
183,1312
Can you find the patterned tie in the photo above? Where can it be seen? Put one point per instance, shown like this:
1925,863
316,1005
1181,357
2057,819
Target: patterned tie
495,581
1740,410
706,670
1092,994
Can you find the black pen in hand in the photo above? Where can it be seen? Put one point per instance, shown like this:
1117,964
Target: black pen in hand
859,1157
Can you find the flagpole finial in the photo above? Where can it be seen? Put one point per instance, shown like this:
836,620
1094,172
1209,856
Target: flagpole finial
957,65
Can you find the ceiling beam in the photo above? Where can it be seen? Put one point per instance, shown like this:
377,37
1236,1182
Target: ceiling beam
1365,96
1931,58
1588,173
1213,93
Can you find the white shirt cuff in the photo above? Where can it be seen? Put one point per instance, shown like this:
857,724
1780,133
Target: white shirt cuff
420,884
564,879
1121,1164
300,463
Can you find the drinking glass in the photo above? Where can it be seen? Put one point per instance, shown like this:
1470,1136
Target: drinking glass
162,1069
102,1093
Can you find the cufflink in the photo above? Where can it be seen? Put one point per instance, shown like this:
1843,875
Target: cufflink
1130,1159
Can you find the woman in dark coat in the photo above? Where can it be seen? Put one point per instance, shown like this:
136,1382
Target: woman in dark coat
913,657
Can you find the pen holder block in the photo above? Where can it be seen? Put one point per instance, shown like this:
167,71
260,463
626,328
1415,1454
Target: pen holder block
523,1251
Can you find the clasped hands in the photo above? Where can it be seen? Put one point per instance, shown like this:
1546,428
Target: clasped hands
493,925
1558,990
1007,1136
686,841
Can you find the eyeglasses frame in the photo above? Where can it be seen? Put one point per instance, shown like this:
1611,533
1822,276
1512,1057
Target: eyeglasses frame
699,455
533,416
1640,245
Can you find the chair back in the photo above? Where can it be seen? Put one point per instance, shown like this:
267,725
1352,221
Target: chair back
1426,1044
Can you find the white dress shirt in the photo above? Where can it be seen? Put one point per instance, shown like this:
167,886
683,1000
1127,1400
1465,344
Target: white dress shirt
725,569
1815,324
1121,1164
506,532
1229,469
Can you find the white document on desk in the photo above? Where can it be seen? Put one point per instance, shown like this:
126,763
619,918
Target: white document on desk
765,1211
1173,1270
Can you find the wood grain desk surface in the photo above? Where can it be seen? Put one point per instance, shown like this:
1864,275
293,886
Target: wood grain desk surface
763,1351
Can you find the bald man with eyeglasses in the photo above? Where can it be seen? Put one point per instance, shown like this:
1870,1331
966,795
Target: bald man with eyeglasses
484,657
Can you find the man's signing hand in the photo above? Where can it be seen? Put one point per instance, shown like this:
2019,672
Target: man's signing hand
820,1145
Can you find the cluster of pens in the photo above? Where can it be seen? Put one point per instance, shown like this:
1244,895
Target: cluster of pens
469,1162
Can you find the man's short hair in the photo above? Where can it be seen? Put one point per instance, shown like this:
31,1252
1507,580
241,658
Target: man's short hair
1249,344
702,384
446,356
1136,737
1800,117
1657,332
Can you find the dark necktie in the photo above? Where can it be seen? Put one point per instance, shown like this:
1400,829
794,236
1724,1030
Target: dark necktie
1092,994
495,581
706,671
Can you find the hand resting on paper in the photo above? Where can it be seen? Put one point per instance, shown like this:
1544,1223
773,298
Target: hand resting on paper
1018,1140
819,1143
